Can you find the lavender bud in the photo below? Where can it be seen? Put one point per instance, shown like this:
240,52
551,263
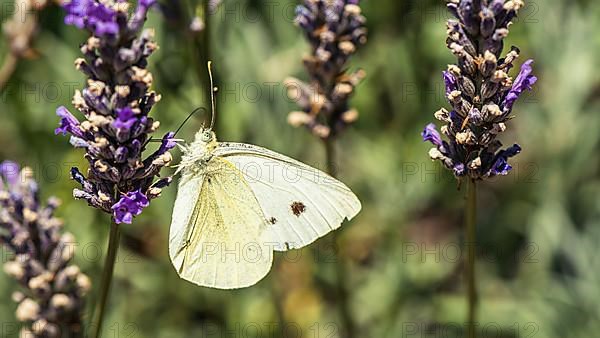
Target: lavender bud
488,22
489,64
467,86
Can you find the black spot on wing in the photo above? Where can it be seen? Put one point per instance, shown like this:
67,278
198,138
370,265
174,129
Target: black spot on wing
298,208
272,220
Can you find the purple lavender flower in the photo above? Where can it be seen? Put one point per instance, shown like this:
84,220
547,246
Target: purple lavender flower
501,166
431,134
478,87
125,120
55,289
167,143
335,31
68,123
93,16
9,171
115,103
128,206
525,80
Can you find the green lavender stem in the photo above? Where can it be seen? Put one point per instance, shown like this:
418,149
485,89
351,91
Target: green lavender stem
330,155
205,53
8,68
201,50
470,245
278,302
342,292
107,274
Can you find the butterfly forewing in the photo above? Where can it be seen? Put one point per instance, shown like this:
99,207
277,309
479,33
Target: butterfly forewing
299,202
218,235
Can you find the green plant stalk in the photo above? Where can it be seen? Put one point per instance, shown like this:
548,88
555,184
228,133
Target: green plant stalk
330,155
105,283
341,291
8,68
277,301
201,49
470,245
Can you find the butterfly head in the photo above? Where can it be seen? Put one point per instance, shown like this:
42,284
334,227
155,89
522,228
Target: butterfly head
205,141
206,135
199,152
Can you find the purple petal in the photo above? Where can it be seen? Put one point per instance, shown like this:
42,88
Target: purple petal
125,119
147,3
92,15
76,9
124,114
167,143
514,150
75,21
130,205
139,16
501,166
141,199
9,171
525,80
127,218
68,123
431,134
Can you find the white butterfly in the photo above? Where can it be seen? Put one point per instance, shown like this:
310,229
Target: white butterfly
236,203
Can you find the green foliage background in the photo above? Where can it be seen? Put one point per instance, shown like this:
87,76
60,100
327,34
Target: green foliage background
539,228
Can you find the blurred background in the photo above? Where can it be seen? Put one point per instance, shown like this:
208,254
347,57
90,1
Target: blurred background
538,268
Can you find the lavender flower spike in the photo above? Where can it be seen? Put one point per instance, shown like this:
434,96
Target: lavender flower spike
479,89
116,103
335,31
55,289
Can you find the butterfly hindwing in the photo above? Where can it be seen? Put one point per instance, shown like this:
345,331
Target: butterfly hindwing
218,234
299,202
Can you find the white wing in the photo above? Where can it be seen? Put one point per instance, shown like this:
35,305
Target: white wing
217,237
301,203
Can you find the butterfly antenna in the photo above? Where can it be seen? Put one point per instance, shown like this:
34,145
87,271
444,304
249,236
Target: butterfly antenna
152,139
187,119
213,90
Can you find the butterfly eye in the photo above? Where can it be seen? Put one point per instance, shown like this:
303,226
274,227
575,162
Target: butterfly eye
206,136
